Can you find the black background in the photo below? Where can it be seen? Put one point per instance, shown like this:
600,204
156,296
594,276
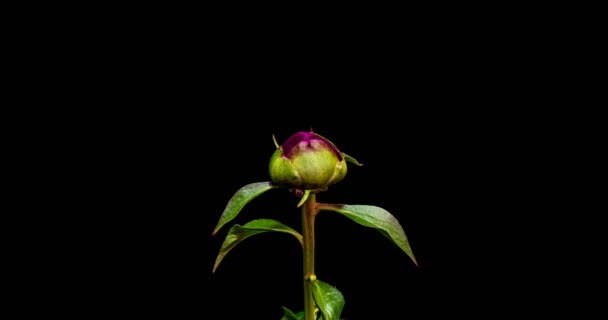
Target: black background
175,115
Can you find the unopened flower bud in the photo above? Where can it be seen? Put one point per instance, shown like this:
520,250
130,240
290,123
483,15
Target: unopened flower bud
307,160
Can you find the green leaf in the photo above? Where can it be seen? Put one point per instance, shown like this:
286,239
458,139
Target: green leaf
289,315
329,300
239,233
238,201
378,218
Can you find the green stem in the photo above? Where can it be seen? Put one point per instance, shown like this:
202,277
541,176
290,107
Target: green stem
309,210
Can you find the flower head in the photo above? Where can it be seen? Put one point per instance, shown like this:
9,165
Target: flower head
307,160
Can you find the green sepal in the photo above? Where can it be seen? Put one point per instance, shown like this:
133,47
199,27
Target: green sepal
304,198
351,159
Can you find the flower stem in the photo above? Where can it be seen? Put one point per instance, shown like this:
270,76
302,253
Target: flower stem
309,210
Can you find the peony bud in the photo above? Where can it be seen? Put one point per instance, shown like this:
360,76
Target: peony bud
307,161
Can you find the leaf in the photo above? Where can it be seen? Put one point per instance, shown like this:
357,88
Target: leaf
329,300
238,201
378,218
289,315
238,233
